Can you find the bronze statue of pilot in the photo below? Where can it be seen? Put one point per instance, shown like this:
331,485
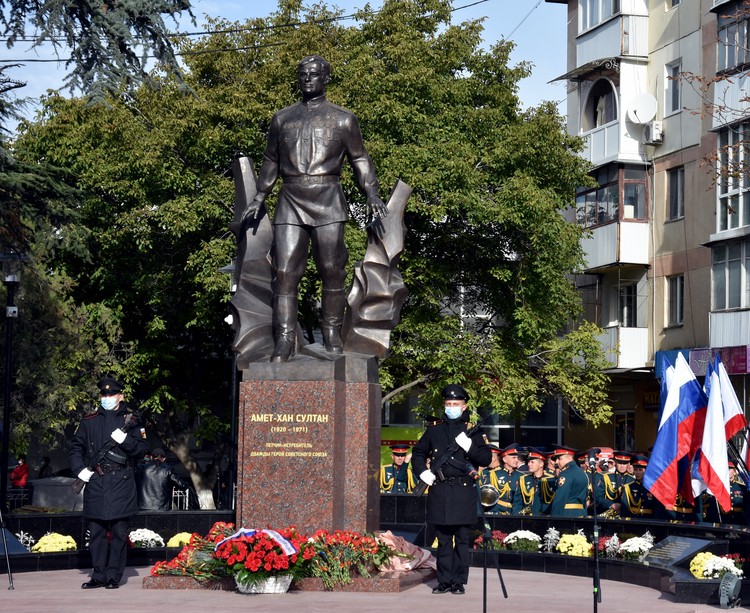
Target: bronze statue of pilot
308,143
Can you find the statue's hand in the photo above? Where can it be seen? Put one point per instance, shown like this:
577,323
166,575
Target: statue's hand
251,212
377,207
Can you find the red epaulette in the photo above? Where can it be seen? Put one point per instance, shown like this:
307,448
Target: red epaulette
437,422
90,415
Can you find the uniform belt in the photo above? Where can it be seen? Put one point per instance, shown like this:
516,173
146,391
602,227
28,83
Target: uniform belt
457,481
116,458
503,503
683,510
112,467
645,511
311,179
573,505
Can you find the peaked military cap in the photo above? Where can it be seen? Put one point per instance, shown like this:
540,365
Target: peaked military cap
454,392
108,385
535,454
511,449
562,450
399,449
624,457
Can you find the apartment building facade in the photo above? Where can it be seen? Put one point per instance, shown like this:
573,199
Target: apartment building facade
659,89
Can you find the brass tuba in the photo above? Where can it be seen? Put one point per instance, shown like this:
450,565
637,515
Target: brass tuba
488,495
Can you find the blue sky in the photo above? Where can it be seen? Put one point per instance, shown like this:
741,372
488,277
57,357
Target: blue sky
537,27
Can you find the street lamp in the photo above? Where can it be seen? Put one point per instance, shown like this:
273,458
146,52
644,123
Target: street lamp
11,267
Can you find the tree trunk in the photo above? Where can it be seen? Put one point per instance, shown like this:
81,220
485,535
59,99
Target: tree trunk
205,498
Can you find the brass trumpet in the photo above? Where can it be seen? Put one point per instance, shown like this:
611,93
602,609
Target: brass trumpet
488,495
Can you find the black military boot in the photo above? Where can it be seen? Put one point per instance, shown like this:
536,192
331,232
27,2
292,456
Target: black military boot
333,303
284,328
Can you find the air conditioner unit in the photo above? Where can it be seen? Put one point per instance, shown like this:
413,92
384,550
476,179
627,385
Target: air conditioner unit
652,133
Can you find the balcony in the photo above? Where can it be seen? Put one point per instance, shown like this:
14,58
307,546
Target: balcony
729,328
602,144
626,348
624,242
621,36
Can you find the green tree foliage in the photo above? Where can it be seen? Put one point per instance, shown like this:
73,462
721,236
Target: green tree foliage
488,251
105,45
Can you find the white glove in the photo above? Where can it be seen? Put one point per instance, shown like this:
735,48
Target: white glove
119,436
85,475
428,477
464,442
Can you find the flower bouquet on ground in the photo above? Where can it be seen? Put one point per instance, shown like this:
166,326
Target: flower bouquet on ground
523,540
53,542
340,555
575,545
637,547
196,559
496,543
179,540
258,558
609,546
707,565
550,540
142,538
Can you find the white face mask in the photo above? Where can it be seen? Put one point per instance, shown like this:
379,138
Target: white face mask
109,403
453,412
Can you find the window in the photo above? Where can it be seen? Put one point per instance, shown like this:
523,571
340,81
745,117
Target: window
601,106
734,37
729,275
675,3
673,103
593,12
602,204
627,297
676,192
634,193
733,206
676,298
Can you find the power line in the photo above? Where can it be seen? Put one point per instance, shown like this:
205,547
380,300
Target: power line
291,24
520,23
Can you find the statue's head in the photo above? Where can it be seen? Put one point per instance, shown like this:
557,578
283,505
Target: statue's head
325,66
313,75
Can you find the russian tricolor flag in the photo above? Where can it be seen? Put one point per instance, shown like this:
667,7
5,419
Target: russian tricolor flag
680,433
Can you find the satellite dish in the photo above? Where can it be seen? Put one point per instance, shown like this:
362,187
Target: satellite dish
642,109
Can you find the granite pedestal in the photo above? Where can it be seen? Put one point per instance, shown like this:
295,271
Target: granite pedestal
309,444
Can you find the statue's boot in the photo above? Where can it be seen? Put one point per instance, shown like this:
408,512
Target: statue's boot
284,328
333,316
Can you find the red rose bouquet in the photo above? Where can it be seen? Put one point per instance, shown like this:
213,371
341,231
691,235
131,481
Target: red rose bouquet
255,555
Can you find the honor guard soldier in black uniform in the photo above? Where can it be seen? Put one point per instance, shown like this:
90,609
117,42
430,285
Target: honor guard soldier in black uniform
572,485
452,503
397,477
109,498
